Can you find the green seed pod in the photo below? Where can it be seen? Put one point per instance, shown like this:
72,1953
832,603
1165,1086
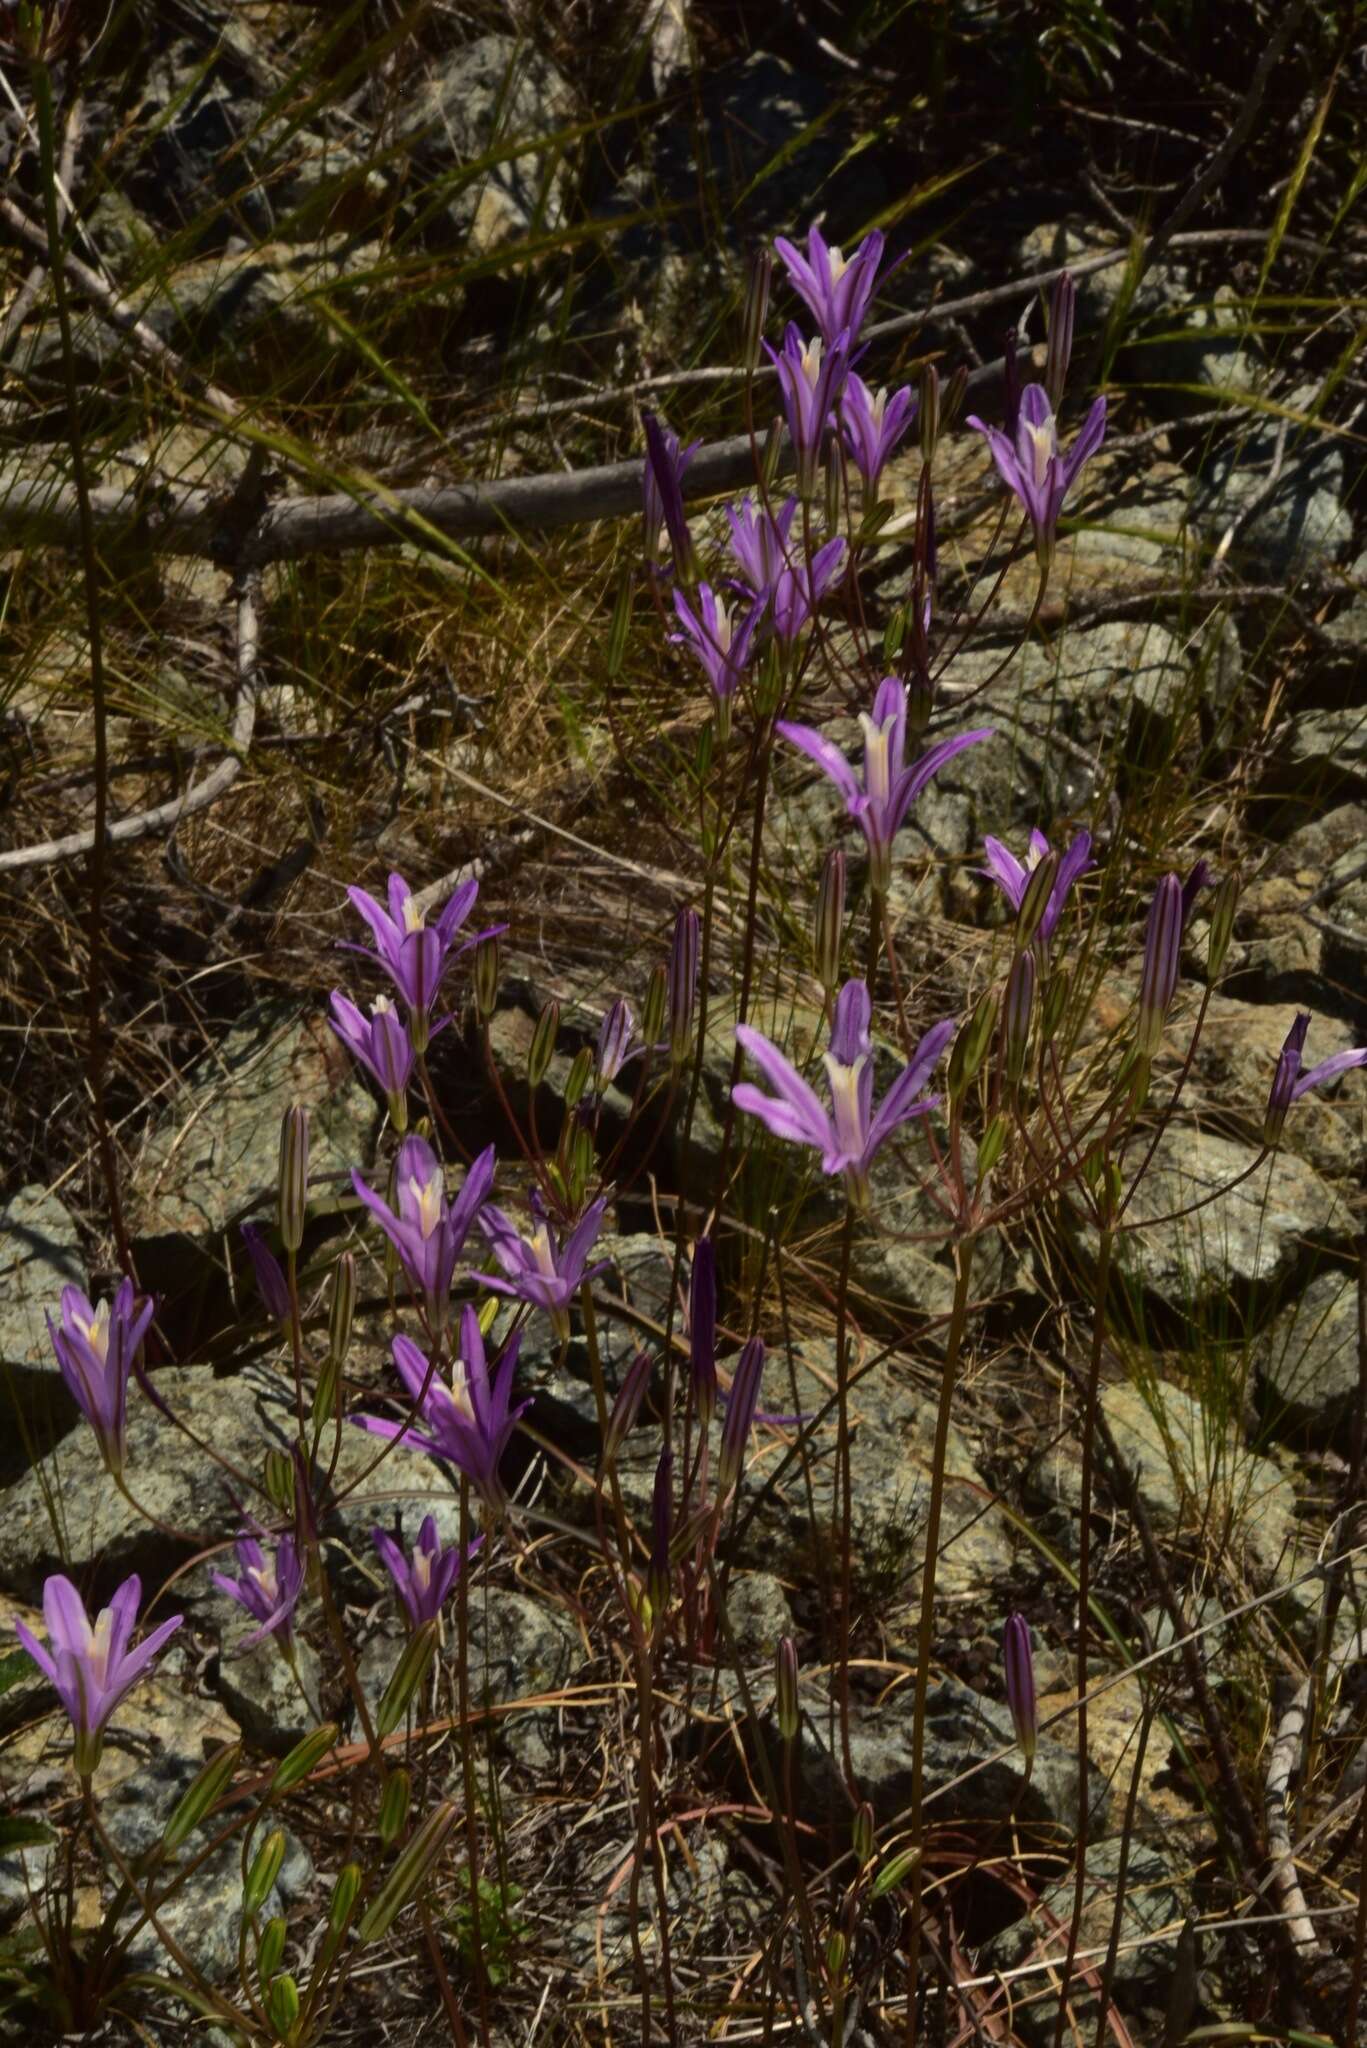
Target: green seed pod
345,1893
412,1868
654,1007
861,1833
1020,999
1222,908
303,1758
580,1074
394,1807
785,1689
929,411
279,1477
542,1049
582,1163
621,621
1054,1004
837,1952
325,1392
265,1868
952,398
1035,901
282,2007
991,1146
408,1676
200,1796
292,1191
970,1047
270,1952
894,1872
894,633
485,978
828,925
342,1307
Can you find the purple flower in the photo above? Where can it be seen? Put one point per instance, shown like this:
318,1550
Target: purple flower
469,1422
423,1581
95,1349
722,646
269,1591
1030,465
381,1044
871,425
880,805
837,291
810,374
92,1666
1012,876
799,589
270,1280
617,1044
1289,1083
538,1270
413,952
850,1133
759,542
662,493
428,1232
1018,1659
683,984
1162,959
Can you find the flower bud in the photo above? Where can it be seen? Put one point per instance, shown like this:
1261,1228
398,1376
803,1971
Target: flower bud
282,2007
828,925
627,1405
409,1673
542,1048
1061,310
991,1146
759,272
740,1413
485,978
929,412
837,1953
1162,958
970,1046
582,1164
683,985
861,1833
345,1893
303,1758
662,1526
293,1191
895,1871
654,1007
952,397
264,1869
414,1865
1020,1000
1282,1092
1035,900
579,1076
342,1307
270,1951
1055,1003
1223,906
920,701
614,1043
398,1792
1018,1657
200,1796
785,1689
271,1283
278,1473
621,622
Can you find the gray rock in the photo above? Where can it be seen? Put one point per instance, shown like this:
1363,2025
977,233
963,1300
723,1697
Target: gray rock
487,94
1056,242
205,147
1210,350
25,1874
1307,1361
273,1704
1154,1901
103,1537
1328,748
759,1615
963,1729
40,1254
1305,526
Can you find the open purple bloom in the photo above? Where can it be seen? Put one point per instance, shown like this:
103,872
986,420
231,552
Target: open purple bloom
413,952
871,425
1012,876
382,1045
268,1589
836,289
428,1232
722,645
810,376
880,804
271,1283
468,1422
1030,465
662,493
538,1270
95,1349
799,588
759,543
850,1133
91,1665
1289,1083
424,1580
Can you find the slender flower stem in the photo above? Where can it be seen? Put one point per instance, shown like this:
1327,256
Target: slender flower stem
467,1760
844,1499
963,1268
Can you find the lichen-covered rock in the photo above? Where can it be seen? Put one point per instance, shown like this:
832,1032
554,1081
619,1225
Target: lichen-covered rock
1304,525
40,1254
1307,1362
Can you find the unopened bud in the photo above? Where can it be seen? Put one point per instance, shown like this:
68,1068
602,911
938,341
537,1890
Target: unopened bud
929,412
1282,1093
1055,1003
1222,908
278,1473
270,1951
409,1673
828,927
837,1952
861,1833
1035,899
345,1893
581,1163
785,1689
662,1524
920,701
271,1283
485,978
394,1804
654,1007
1020,1001
282,2007
579,1077
760,271
1018,1658
614,1044
990,1146
1061,310
411,1870
200,1797
627,1405
542,1048
342,1307
683,985
970,1046
952,398
303,1758
263,1871
1162,958
293,1189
